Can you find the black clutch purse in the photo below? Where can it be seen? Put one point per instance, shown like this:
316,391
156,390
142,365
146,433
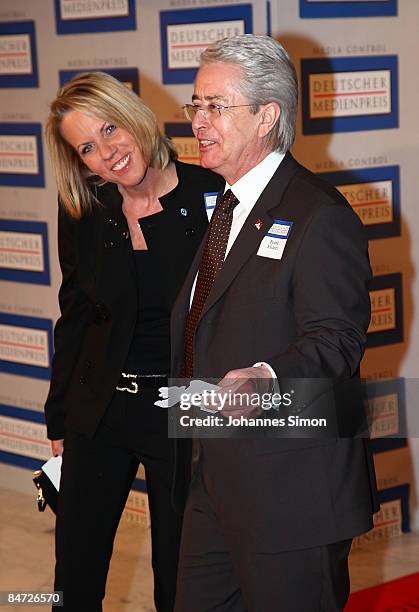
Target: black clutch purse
47,493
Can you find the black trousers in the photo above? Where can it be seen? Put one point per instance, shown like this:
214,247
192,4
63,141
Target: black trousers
95,481
219,571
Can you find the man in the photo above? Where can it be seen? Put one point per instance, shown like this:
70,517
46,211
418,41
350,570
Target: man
268,523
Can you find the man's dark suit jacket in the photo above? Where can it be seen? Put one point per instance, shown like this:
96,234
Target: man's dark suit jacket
306,315
99,295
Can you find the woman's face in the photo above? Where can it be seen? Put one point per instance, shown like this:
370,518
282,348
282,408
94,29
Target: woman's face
107,150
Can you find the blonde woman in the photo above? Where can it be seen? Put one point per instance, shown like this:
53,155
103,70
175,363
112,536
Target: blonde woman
131,218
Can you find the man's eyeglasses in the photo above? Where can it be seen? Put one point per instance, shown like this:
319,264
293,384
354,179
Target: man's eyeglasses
210,111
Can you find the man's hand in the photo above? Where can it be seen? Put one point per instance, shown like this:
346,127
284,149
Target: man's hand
248,384
57,447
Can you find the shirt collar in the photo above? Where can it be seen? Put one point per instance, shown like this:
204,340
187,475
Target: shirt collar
249,187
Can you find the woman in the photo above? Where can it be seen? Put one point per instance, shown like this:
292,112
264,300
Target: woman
131,219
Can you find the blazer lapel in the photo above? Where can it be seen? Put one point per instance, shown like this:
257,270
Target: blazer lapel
115,255
250,237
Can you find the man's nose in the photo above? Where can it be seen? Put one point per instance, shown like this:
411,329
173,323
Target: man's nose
200,120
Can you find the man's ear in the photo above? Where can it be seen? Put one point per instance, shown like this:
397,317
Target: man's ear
268,118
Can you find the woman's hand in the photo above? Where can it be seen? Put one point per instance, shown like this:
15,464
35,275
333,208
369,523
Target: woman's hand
57,447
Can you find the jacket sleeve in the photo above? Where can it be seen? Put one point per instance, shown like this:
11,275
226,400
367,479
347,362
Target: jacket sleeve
330,298
69,329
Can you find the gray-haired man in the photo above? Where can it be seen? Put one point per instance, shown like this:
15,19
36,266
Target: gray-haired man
268,523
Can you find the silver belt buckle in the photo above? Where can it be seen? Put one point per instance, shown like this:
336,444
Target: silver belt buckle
133,385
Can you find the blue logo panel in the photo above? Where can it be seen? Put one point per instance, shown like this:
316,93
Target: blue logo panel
386,326
20,461
268,18
18,58
178,129
184,140
12,455
129,76
26,345
139,485
349,94
347,8
400,492
21,155
186,33
374,194
25,414
386,408
24,252
71,21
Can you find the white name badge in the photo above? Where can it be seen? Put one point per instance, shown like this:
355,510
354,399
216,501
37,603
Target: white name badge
273,244
210,199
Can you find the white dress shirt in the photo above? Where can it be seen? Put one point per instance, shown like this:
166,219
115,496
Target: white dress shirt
248,190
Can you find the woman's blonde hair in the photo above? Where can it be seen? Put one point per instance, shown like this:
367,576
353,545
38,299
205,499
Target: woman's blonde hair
99,95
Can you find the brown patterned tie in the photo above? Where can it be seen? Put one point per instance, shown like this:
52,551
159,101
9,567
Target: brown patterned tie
211,263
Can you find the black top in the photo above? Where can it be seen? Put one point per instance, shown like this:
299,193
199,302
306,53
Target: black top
149,352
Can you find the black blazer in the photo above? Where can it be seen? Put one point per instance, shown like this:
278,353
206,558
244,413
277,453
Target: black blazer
305,314
99,297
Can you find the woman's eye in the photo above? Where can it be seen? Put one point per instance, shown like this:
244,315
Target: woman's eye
110,129
86,149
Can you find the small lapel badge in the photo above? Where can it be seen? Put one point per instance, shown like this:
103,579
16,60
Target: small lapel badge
183,212
258,224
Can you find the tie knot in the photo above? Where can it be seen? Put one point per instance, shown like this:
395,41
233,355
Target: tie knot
227,202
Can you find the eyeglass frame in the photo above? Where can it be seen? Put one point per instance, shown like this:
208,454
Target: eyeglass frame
206,109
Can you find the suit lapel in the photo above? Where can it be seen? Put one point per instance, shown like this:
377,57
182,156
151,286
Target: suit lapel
250,237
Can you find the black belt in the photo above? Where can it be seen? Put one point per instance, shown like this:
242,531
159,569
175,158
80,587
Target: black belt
132,382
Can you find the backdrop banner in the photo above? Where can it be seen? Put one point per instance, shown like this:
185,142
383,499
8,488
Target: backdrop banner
356,129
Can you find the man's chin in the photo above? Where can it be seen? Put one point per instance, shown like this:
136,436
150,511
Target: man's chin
208,163
205,162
